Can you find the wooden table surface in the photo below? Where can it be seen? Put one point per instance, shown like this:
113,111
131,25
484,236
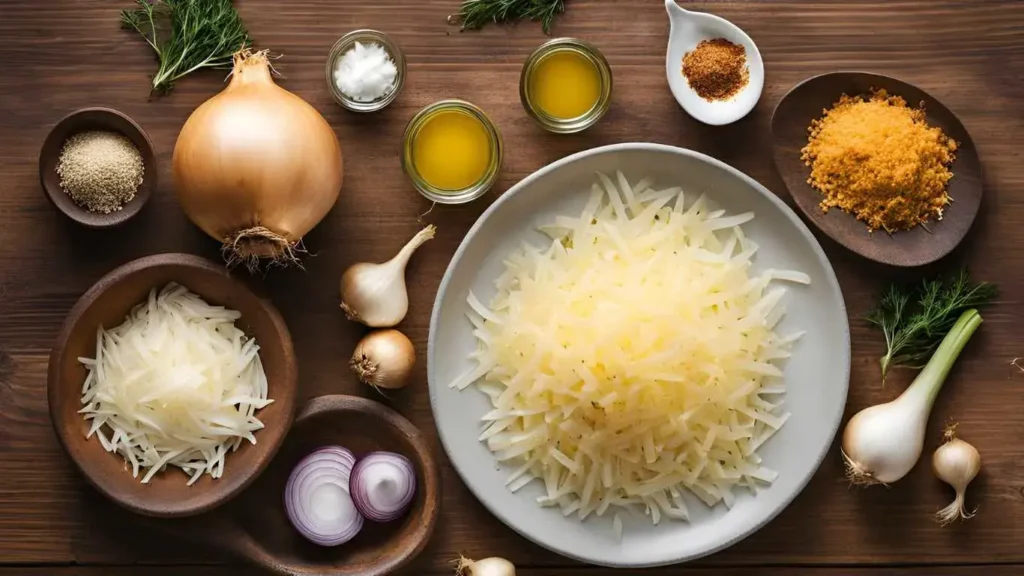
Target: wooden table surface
67,54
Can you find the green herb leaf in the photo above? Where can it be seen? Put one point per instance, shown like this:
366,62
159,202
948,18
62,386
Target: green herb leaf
915,320
187,35
478,13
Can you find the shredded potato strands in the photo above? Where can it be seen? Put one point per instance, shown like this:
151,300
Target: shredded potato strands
634,357
176,384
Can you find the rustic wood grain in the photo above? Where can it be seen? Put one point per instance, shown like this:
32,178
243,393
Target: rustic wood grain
71,54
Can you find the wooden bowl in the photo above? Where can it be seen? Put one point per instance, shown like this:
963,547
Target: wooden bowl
256,527
807,101
106,304
95,119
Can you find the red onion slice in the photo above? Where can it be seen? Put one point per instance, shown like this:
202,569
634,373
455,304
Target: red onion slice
316,497
382,485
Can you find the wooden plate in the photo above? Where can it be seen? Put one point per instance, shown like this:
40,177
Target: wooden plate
106,304
255,527
95,119
915,247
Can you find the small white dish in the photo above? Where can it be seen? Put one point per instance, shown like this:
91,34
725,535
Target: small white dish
817,375
687,29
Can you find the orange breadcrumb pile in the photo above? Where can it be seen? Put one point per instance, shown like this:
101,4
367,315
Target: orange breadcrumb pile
878,159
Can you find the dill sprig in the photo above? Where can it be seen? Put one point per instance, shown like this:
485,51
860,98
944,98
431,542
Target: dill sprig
915,320
478,13
187,35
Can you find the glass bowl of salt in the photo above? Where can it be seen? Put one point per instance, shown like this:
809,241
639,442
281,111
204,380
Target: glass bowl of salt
365,70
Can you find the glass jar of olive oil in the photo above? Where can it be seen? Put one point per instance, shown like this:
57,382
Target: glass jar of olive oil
452,152
566,85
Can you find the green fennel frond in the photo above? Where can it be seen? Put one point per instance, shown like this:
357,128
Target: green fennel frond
187,35
915,320
478,13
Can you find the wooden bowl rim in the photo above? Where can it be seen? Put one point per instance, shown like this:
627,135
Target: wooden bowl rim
967,145
269,446
133,207
243,544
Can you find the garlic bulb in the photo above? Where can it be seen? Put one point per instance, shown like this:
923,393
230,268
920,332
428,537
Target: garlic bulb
384,359
375,294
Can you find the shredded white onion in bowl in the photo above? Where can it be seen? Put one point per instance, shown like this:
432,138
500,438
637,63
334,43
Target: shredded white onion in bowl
635,357
177,383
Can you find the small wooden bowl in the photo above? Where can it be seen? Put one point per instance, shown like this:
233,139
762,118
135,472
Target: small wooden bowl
95,119
807,101
106,304
256,527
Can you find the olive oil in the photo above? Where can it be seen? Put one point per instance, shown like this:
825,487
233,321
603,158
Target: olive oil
565,84
452,150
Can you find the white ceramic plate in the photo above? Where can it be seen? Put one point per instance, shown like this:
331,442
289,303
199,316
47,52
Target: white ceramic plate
816,376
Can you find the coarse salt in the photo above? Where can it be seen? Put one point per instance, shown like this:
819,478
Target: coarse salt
366,72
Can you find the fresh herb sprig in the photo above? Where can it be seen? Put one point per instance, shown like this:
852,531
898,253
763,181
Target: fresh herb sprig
916,319
478,13
187,35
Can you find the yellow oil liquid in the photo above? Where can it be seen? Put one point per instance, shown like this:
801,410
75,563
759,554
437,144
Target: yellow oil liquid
452,150
565,84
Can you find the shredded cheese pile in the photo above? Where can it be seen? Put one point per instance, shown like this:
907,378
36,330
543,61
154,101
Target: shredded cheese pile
176,384
634,357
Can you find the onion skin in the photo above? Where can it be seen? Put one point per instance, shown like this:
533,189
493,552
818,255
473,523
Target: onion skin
384,359
256,167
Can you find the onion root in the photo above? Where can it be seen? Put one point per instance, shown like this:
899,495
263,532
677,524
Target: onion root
956,509
858,475
250,246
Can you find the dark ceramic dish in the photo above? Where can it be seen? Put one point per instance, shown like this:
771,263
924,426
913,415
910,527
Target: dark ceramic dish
106,304
916,247
95,119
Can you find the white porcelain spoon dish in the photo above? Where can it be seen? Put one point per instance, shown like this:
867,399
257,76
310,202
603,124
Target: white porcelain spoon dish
687,29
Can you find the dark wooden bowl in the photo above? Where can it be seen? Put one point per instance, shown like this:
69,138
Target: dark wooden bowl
256,528
807,101
95,119
106,304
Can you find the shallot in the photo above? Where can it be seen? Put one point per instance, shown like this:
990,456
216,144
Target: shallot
384,359
956,463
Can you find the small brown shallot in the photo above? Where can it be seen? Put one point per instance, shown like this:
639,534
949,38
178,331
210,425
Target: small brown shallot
384,359
956,463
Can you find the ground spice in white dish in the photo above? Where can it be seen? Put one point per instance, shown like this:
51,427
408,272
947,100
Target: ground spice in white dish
101,171
366,72
716,69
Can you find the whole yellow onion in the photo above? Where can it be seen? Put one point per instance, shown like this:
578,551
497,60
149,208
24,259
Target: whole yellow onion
256,167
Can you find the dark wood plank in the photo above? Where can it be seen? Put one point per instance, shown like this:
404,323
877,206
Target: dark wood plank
70,55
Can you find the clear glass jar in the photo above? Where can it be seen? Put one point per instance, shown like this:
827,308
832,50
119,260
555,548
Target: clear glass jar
346,42
567,125
429,190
